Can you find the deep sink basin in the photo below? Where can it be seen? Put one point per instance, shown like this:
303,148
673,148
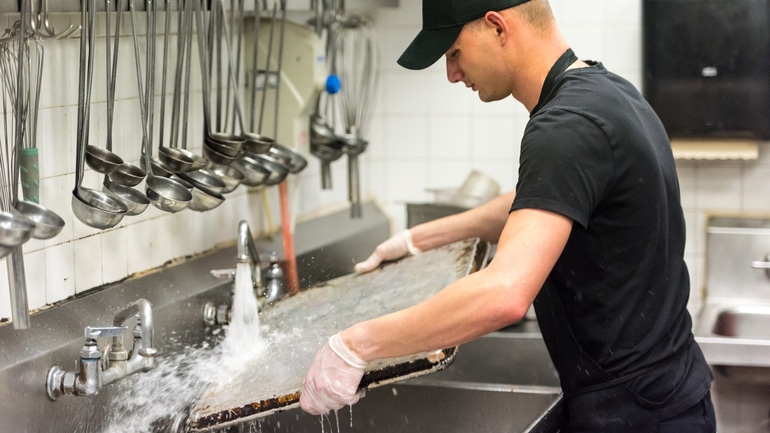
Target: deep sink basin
746,321
735,338
416,408
502,382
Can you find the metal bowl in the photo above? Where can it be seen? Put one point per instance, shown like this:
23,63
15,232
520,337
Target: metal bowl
167,194
176,160
278,171
293,160
204,199
254,172
198,161
225,144
127,174
215,156
135,201
256,143
204,178
231,176
97,209
14,229
184,183
158,167
47,223
102,160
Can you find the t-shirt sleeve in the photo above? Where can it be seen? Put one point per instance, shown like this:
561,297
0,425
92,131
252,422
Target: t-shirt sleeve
566,165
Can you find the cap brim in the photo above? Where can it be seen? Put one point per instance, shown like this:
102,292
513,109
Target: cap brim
428,47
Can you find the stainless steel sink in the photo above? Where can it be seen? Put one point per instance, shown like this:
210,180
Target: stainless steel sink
735,339
414,408
744,321
515,356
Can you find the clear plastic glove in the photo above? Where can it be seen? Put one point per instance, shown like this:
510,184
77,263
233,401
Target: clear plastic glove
399,245
332,381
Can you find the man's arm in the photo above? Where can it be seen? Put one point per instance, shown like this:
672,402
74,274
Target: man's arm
530,244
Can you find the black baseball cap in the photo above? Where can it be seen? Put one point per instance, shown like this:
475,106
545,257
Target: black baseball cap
442,21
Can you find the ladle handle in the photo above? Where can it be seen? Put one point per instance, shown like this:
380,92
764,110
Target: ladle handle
143,113
203,57
81,148
233,83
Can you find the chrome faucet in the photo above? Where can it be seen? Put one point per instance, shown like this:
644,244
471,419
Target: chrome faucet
247,253
96,367
267,292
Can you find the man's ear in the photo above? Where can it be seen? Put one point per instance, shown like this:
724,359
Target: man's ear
500,25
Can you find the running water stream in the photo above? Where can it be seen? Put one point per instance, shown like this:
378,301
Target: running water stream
160,400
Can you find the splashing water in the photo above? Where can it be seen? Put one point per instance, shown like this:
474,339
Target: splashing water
160,400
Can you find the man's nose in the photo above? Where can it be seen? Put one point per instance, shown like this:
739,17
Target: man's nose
453,72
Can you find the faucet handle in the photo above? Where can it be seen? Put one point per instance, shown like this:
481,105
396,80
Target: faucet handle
223,273
94,332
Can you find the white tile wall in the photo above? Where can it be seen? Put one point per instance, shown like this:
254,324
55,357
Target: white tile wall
426,133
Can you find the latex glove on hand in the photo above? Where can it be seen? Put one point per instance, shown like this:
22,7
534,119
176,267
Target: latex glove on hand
399,245
332,381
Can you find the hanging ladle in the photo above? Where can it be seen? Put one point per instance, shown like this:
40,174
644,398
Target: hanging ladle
135,201
219,147
99,159
164,193
184,25
176,159
126,174
253,142
92,207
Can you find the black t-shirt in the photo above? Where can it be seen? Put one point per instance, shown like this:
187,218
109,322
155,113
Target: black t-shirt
595,151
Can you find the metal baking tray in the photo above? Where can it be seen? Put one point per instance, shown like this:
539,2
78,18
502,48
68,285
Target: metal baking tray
297,327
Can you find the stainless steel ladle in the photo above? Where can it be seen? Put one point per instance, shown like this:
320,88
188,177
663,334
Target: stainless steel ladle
90,206
135,201
164,193
177,160
211,138
99,159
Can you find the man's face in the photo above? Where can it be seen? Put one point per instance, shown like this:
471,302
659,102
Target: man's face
473,60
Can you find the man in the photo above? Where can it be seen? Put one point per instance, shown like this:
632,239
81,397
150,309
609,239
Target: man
593,235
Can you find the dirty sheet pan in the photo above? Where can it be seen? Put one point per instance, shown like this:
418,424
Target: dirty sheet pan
297,327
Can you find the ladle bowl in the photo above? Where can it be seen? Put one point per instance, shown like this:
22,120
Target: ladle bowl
158,167
293,160
205,199
102,160
183,182
127,174
198,161
174,159
278,171
97,209
204,178
225,145
256,143
47,223
134,200
254,172
231,176
167,194
215,156
14,229
320,132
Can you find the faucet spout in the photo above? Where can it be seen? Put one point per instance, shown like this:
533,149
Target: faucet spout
143,309
247,253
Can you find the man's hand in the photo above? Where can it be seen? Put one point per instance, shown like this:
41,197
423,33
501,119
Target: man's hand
399,245
332,381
